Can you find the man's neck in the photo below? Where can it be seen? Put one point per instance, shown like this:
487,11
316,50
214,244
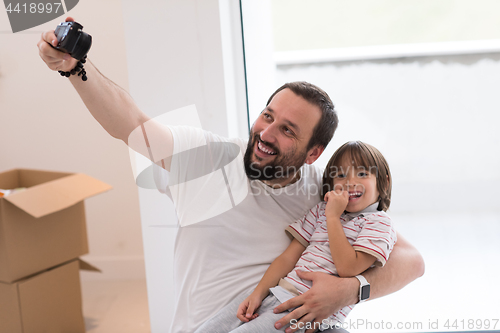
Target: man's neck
282,182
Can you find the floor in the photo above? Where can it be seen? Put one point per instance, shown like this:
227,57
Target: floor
115,306
459,291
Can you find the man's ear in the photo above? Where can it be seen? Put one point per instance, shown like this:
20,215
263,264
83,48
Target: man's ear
314,153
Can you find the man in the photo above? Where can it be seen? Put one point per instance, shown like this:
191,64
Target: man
224,255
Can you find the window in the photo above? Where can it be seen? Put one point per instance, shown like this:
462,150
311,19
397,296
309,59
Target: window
418,80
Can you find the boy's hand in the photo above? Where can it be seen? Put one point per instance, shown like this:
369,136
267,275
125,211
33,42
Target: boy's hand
55,59
336,202
247,308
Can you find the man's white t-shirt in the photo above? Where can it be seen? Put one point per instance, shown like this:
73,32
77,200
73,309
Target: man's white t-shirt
219,257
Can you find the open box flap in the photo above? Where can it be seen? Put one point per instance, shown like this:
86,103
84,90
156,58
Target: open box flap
47,198
85,266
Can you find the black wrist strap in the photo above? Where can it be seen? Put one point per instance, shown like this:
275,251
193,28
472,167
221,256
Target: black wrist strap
78,69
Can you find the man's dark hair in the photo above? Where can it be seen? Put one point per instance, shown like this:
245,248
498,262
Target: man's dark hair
324,129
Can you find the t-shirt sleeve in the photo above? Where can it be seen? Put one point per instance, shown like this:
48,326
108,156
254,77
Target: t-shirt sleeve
186,139
207,174
303,229
377,237
196,152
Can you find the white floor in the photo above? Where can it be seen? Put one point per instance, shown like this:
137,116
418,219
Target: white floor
115,306
459,290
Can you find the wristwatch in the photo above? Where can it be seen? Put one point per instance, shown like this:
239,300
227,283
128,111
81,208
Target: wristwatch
364,288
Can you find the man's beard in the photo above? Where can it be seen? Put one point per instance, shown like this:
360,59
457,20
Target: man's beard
283,166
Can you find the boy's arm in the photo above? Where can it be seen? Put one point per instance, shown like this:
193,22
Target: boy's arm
280,267
277,270
348,261
404,265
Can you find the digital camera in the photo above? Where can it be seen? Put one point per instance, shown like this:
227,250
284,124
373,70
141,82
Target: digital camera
71,39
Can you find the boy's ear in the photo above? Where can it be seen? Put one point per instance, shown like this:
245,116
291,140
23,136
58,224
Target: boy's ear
314,153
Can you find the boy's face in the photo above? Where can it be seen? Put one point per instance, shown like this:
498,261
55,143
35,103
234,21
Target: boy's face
280,135
359,182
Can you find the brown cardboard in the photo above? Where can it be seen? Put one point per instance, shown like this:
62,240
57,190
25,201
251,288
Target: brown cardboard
53,196
46,302
10,311
44,225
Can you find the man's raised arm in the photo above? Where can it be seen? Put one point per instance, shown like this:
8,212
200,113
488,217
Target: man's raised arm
108,103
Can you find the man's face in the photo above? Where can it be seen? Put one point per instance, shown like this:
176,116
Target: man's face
278,141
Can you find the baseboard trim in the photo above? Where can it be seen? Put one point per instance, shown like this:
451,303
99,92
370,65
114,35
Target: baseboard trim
115,268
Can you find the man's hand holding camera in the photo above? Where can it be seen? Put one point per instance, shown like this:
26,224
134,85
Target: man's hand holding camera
72,45
55,59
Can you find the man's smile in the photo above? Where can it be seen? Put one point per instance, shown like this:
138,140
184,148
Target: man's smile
263,150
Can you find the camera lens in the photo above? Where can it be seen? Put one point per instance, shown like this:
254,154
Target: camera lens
82,46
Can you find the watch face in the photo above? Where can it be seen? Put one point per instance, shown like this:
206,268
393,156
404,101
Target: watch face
365,292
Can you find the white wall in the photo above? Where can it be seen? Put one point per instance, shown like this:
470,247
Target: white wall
259,62
45,125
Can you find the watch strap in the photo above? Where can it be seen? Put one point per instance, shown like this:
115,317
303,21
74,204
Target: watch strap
364,288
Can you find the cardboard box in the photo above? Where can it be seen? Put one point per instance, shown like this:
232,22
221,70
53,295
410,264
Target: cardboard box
44,225
50,301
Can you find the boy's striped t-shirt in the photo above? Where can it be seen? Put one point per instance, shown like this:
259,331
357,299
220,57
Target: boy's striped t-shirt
370,231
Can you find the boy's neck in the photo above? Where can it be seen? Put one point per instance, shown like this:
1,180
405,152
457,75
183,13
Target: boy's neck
362,210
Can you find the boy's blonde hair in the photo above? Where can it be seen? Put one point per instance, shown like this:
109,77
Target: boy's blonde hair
368,157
